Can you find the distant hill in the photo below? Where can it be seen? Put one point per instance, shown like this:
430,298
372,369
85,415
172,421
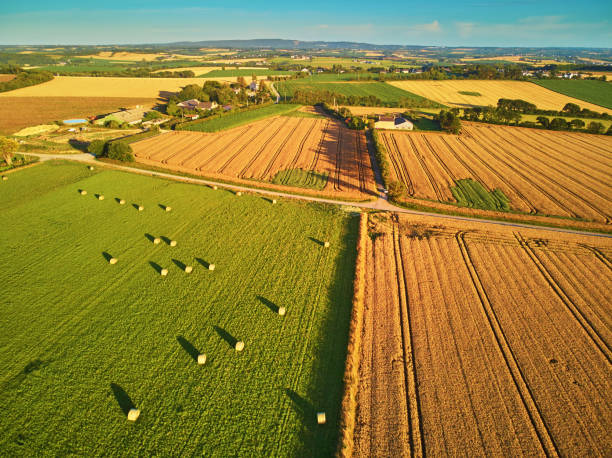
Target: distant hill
275,43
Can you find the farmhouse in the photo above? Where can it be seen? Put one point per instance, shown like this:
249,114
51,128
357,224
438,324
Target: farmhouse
133,116
195,104
392,122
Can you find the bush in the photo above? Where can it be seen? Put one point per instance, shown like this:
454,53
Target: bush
396,189
119,151
595,127
96,147
449,122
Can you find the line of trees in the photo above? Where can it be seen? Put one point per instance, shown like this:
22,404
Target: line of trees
25,78
311,97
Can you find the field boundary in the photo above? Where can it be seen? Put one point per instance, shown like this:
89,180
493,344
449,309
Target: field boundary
348,409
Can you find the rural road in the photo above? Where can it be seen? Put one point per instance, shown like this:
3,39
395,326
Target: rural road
380,204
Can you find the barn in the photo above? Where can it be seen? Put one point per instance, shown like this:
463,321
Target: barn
393,122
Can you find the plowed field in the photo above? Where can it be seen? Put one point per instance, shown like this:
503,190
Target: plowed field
258,151
476,343
541,172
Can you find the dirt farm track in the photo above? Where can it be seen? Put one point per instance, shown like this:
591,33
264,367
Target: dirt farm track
258,151
541,172
492,343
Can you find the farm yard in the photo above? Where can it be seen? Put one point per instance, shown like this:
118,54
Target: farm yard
85,340
319,146
539,172
506,329
448,92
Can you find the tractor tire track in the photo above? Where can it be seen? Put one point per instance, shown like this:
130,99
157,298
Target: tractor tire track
261,149
298,153
278,151
430,178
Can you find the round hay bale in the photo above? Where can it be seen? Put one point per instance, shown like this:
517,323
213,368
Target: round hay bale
239,345
201,359
156,241
238,193
215,187
163,272
168,208
121,202
172,242
273,201
4,178
188,269
140,208
100,197
211,267
321,418
112,261
83,192
90,167
326,244
133,414
282,311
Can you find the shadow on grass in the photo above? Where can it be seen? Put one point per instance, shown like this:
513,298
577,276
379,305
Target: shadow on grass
107,256
268,303
188,347
179,264
165,239
203,263
156,266
123,399
317,241
135,206
162,206
230,339
303,408
150,237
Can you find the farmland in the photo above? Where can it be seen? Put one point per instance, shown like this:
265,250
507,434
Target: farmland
260,150
86,340
247,73
19,112
383,91
90,86
4,78
540,172
506,329
597,92
448,92
239,118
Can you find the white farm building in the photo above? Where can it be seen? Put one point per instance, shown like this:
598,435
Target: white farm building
392,122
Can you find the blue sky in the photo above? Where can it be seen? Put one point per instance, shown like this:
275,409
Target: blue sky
440,22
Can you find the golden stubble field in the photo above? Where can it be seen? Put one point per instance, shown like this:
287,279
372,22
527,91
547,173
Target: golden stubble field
447,93
542,172
258,151
483,340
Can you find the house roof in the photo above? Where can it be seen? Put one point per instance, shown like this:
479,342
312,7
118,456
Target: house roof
387,118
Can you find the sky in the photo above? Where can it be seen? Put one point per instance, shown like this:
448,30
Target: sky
538,23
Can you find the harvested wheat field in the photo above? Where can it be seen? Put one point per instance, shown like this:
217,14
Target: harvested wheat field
483,341
504,168
315,153
448,93
91,86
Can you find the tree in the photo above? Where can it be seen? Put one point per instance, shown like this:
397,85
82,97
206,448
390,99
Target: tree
449,122
559,124
396,189
571,109
595,127
544,121
96,147
609,131
119,151
8,146
577,123
191,91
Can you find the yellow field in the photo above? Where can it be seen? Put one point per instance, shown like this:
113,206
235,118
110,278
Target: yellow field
89,86
137,57
365,111
514,59
196,70
447,92
230,61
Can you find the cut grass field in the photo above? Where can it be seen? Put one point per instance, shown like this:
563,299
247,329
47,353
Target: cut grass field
87,340
448,92
383,91
19,112
240,118
597,92
301,178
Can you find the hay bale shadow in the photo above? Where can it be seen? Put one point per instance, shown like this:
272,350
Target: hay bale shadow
107,256
317,241
179,264
268,303
230,339
123,399
303,408
269,200
149,237
97,195
188,347
165,239
156,266
135,206
163,207
203,263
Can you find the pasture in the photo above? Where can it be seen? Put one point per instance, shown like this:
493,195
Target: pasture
311,152
506,329
596,92
85,340
448,92
540,172
19,112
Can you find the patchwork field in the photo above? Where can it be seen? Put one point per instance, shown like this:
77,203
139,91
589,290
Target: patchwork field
19,112
539,172
597,92
260,150
483,341
4,78
91,86
84,341
447,92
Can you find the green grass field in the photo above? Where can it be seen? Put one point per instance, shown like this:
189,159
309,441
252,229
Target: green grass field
243,72
329,62
301,178
237,119
83,341
597,92
470,193
385,92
